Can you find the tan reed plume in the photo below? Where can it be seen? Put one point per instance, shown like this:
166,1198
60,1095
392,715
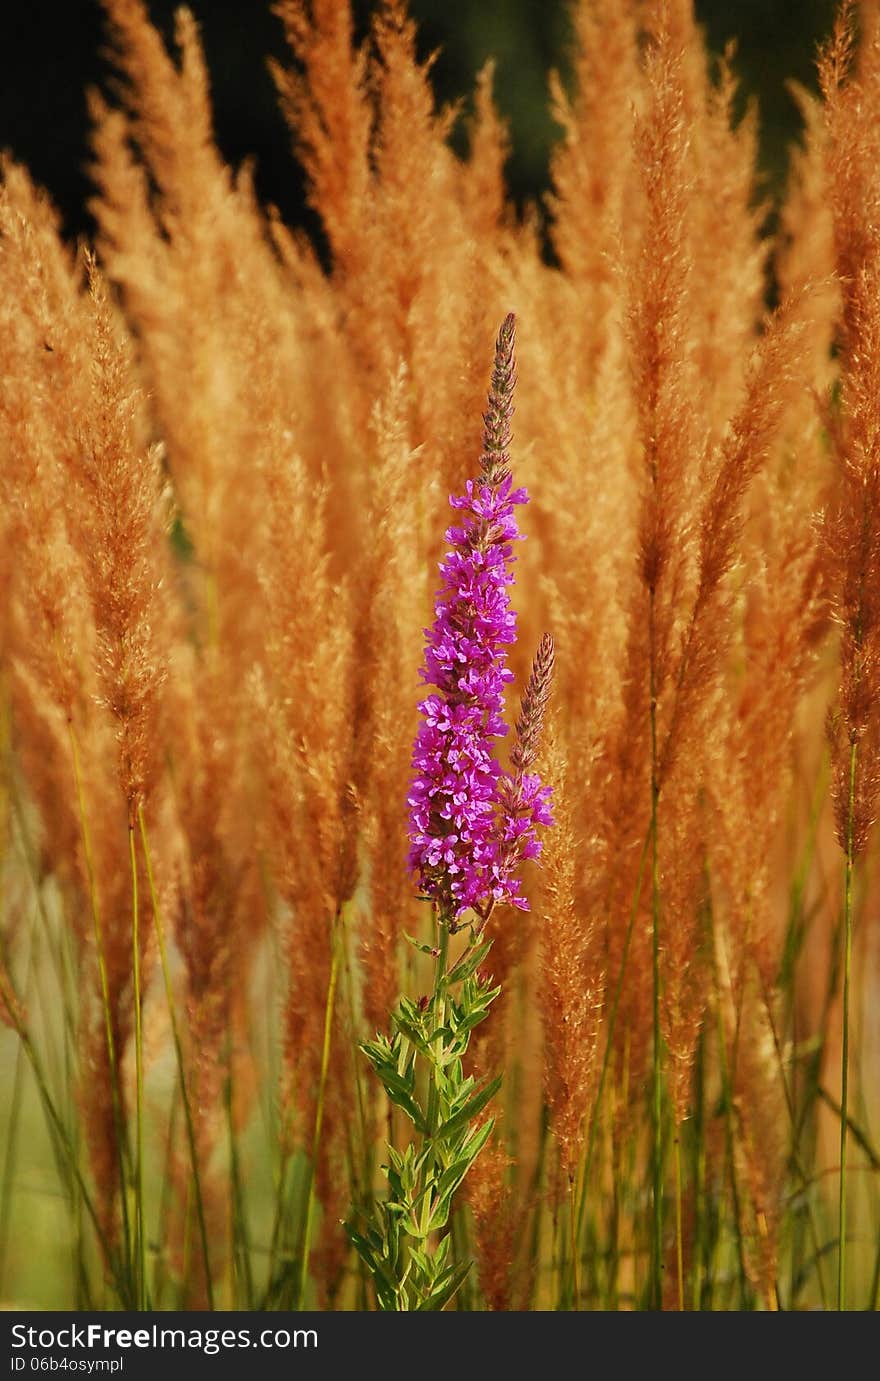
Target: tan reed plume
852,98
593,204
395,200
572,973
396,611
94,672
669,437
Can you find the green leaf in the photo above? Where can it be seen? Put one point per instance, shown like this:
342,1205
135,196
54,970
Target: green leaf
472,1108
479,1138
413,1033
472,1019
423,949
452,1177
469,962
445,1288
400,1088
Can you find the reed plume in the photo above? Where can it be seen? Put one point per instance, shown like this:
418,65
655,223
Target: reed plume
573,977
394,616
852,98
103,566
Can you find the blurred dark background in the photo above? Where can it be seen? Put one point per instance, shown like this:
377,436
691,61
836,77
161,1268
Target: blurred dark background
52,51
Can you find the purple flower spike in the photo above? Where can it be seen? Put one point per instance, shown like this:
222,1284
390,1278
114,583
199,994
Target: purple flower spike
471,822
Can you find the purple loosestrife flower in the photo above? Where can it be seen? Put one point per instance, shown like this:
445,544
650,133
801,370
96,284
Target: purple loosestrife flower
471,823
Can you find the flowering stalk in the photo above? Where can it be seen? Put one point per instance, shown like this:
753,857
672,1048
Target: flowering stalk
471,824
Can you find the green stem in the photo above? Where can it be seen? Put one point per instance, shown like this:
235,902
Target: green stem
58,1128
679,1258
573,1243
141,1278
279,1238
366,1169
178,1052
439,1010
319,1111
698,1179
794,1152
278,1136
657,1072
59,939
536,1197
239,1235
9,1159
609,1040
461,1247
874,1297
115,1090
165,1197
727,1104
844,1051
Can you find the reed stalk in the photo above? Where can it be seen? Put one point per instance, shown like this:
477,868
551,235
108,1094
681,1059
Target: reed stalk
107,1010
179,1057
656,1056
60,1132
679,1246
140,1235
311,1170
609,1037
844,1045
